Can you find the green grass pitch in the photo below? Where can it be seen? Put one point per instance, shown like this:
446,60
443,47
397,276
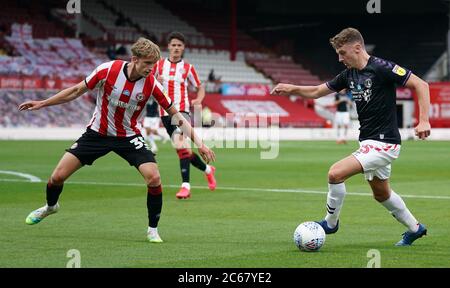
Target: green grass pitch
247,222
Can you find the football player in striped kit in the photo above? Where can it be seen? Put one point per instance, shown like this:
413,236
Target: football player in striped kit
176,74
123,91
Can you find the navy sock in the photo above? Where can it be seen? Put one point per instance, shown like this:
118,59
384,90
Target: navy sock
197,162
53,192
154,205
185,166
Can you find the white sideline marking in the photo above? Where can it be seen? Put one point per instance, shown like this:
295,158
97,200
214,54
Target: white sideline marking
30,177
236,189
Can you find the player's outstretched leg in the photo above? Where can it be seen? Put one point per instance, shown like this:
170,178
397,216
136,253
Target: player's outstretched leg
397,207
52,206
409,237
185,162
66,167
338,173
154,207
335,201
39,214
209,170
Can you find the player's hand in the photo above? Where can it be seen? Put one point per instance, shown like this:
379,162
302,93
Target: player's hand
423,130
31,105
207,154
196,102
160,79
282,89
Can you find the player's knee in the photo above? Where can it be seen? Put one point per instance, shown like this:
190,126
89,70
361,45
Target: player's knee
183,153
381,197
58,177
335,176
153,180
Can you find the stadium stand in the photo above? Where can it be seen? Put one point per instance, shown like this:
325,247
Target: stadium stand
216,26
72,114
47,57
155,19
284,69
230,71
245,108
33,13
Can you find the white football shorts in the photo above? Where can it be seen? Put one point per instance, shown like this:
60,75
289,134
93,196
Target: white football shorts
376,158
342,118
152,122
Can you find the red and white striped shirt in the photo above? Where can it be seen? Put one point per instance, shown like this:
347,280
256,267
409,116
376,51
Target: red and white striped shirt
120,102
175,81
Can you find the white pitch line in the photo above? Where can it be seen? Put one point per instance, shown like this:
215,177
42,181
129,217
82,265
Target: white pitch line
30,177
237,189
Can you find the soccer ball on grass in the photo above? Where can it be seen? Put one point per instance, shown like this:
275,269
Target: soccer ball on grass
309,236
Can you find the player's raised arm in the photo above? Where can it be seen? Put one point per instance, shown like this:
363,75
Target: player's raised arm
423,129
206,153
63,96
312,92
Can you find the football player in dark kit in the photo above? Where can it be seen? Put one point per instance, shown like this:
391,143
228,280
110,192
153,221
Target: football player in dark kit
342,116
372,82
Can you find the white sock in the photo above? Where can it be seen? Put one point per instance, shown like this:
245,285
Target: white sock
51,207
335,200
208,169
398,209
186,185
152,231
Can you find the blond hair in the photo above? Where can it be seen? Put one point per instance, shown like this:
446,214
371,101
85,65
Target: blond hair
146,48
348,35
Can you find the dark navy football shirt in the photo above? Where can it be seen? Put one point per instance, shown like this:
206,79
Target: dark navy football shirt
342,106
374,91
152,108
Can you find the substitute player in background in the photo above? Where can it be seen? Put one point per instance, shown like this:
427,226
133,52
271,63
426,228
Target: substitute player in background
176,74
372,82
342,116
151,124
123,90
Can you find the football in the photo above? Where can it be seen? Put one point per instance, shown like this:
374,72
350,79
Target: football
309,236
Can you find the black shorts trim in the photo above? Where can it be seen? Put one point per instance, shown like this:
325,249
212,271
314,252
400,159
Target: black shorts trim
167,122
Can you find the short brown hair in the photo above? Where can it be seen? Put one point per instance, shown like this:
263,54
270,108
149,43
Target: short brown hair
348,35
146,48
176,35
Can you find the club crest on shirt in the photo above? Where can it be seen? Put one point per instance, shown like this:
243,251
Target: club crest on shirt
399,70
368,83
367,94
140,96
360,93
182,71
